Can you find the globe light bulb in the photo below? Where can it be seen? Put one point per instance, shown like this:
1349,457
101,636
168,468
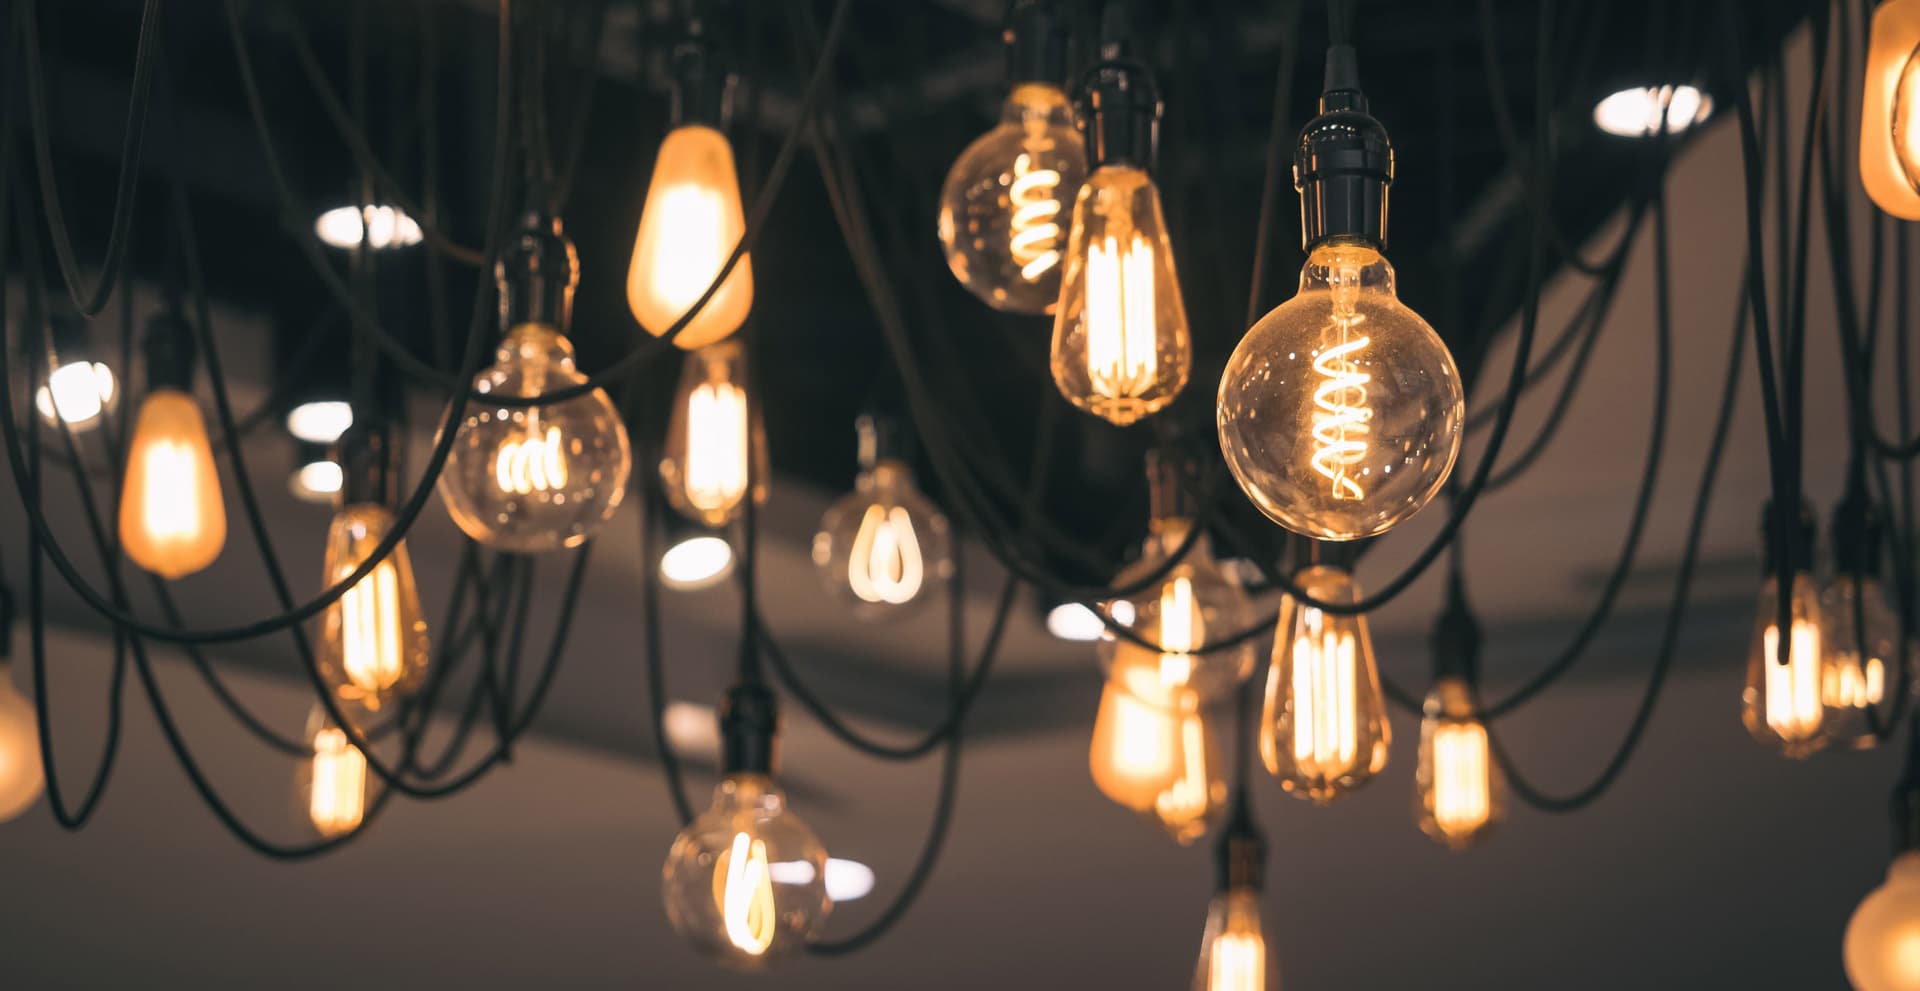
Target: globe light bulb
882,545
1861,637
1783,706
1233,947
22,776
172,520
689,225
373,647
1890,110
1882,946
1153,751
1324,728
1375,393
1460,792
745,882
332,790
710,437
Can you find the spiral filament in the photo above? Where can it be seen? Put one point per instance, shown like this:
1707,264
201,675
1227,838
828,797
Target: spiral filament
1793,704
743,887
1462,797
886,565
1035,239
532,462
1326,690
1121,358
716,446
1341,416
337,799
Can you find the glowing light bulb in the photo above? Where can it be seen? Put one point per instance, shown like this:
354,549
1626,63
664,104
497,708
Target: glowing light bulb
1890,110
537,478
373,646
1783,705
1861,635
22,776
384,227
710,437
333,789
77,392
1324,731
1459,792
1197,598
697,562
172,520
1233,948
1003,207
1882,947
688,227
1374,387
1153,751
734,884
880,546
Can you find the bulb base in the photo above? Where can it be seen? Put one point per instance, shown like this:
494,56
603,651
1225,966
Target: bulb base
169,349
537,274
881,438
1118,111
1172,481
702,83
1798,525
1036,44
1858,533
1343,164
1241,859
749,729
369,466
1456,643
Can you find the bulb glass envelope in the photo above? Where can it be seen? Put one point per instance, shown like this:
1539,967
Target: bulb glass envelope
1890,110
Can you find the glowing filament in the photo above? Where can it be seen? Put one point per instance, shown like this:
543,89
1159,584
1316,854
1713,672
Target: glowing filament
1121,357
373,646
1906,120
1341,416
1462,799
1238,963
1035,238
1185,800
170,509
716,446
885,565
338,798
1848,684
1181,631
1793,689
697,216
743,886
1326,738
532,462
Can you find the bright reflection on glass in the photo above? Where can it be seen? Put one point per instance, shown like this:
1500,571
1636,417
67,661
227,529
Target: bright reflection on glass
1075,622
316,481
321,421
1637,111
697,562
386,227
79,390
847,880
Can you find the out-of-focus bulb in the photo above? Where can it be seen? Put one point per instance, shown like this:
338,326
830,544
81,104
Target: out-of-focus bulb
384,227
536,478
172,520
688,227
698,562
1861,637
321,421
1783,706
1153,752
1882,948
1459,791
373,647
1890,110
1324,730
710,437
22,776
1233,948
333,792
1638,111
1003,209
1194,601
1372,389
884,543
77,392
732,884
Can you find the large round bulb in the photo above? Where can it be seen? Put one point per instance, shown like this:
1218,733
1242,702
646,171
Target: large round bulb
1862,665
172,520
1003,209
1340,412
1324,730
1882,948
1153,751
689,225
330,792
1782,704
22,777
1194,602
711,436
373,647
1120,343
536,478
883,545
745,882
1233,948
1459,792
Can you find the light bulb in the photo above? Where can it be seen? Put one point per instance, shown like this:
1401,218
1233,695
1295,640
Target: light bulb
1882,948
1324,730
1003,209
1459,791
1340,411
1196,600
1153,751
1782,705
22,776
1233,948
172,520
332,792
373,646
1890,110
710,437
536,478
881,546
76,392
696,562
688,227
733,884
1861,636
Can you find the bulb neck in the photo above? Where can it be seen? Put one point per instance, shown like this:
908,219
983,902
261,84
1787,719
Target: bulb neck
7,616
537,273
1036,42
881,438
169,350
1119,114
1858,533
67,334
702,82
1172,482
749,730
1343,163
369,466
1240,859
1797,523
1456,644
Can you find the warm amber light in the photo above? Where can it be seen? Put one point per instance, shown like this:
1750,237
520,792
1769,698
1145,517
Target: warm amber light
1890,110
885,565
1882,947
373,644
22,772
172,520
535,461
1152,751
337,798
1324,731
1233,950
1461,792
1783,704
743,890
1341,414
688,227
710,437
1793,689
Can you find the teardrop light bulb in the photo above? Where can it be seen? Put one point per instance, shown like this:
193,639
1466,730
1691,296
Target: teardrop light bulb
1324,729
1459,791
688,227
172,520
373,647
711,435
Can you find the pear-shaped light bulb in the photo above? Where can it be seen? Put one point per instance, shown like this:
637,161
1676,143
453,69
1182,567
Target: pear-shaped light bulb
689,225
1459,792
172,520
331,790
1782,705
373,648
1324,728
1861,640
1233,948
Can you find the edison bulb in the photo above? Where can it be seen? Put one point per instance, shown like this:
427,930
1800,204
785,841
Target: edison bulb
1324,728
172,520
1003,209
689,225
1860,637
22,776
1195,601
332,789
373,646
1120,343
1233,948
536,478
746,880
1459,791
1783,706
884,544
711,436
1340,411
1153,751
1882,948
1890,110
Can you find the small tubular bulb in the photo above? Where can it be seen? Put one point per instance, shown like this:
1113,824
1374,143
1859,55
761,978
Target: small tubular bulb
337,794
1233,948
173,521
711,436
1459,791
373,647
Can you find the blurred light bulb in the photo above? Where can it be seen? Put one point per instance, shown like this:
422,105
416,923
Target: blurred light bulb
1003,207
733,889
1194,600
882,544
698,562
1882,947
316,481
1637,111
1861,636
333,792
1074,621
1233,948
321,421
1890,110
172,520
373,647
1324,731
710,437
22,775
1460,793
1153,751
688,227
385,227
1373,387
78,391
1782,705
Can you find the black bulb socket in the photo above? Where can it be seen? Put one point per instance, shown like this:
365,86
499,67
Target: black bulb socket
1456,644
1858,533
702,83
67,334
749,729
1118,114
369,464
1798,525
170,352
1172,481
881,438
1240,859
537,273
1036,40
1343,164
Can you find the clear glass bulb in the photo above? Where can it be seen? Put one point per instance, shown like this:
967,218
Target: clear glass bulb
1782,705
22,776
1861,667
172,520
1233,948
1196,600
77,392
1890,110
745,882
1324,730
1882,947
1004,205
331,789
373,647
1340,411
1120,343
1153,751
538,478
882,545
1459,792
710,437
688,227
